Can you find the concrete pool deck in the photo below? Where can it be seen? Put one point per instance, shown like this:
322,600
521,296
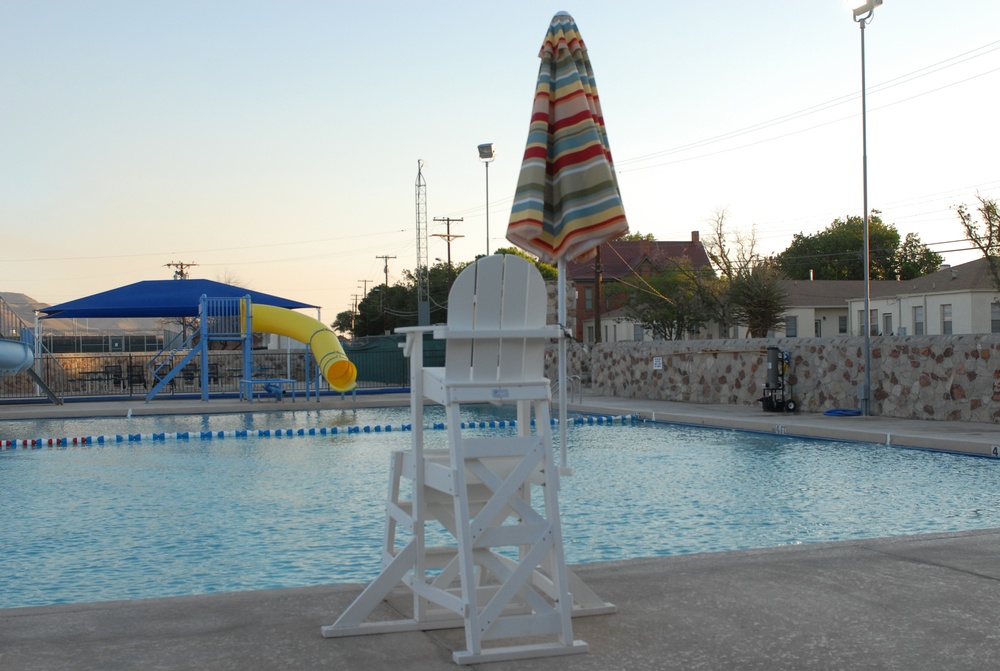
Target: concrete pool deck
911,602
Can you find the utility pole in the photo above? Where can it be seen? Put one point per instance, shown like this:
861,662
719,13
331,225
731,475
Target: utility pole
386,291
354,316
448,237
598,295
363,287
181,269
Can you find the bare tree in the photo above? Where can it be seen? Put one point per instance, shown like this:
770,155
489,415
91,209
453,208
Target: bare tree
229,276
985,234
731,253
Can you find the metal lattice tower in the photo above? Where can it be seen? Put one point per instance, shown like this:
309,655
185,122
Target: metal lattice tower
423,283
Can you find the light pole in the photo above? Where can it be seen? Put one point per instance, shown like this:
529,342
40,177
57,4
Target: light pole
863,13
486,154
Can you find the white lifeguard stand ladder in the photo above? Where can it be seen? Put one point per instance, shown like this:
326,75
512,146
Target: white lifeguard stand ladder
504,578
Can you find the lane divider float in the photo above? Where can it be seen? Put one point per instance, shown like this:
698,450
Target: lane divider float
83,441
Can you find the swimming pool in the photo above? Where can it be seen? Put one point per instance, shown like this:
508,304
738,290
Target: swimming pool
144,519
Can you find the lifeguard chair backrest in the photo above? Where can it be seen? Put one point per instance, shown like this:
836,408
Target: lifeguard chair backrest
498,292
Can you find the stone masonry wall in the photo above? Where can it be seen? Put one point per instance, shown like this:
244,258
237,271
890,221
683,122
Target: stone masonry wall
914,377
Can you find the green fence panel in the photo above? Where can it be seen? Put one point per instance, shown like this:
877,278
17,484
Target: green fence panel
381,360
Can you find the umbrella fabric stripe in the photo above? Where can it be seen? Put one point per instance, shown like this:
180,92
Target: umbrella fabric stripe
568,159
567,199
583,217
575,214
560,248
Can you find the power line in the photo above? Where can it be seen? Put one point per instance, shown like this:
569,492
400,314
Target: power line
267,245
908,77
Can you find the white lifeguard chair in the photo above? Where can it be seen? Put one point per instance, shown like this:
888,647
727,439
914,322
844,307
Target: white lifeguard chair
504,578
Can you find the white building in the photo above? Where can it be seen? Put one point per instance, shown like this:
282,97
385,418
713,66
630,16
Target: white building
955,300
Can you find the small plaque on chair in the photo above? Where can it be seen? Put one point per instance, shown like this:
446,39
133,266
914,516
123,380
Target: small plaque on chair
501,393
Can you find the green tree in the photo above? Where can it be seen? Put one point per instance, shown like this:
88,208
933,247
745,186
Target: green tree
913,258
669,305
837,252
984,234
344,322
759,302
385,309
547,270
637,237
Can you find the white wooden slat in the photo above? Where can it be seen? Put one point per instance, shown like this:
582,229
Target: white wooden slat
515,292
489,301
461,315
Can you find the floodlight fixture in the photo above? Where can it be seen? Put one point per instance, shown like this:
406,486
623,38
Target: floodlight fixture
486,152
863,9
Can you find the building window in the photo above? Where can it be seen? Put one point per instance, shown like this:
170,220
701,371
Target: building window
588,298
792,327
994,317
946,319
872,322
918,320
590,334
842,325
887,324
818,328
637,333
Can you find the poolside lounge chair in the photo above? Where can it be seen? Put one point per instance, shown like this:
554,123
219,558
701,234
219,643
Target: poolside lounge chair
113,374
190,374
136,375
479,488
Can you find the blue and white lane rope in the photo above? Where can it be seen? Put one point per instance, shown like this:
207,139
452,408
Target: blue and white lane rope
79,441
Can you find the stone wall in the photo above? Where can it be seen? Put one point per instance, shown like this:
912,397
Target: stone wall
915,377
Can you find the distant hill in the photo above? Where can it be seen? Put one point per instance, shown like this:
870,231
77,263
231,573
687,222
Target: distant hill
24,307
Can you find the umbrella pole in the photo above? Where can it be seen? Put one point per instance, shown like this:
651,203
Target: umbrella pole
564,468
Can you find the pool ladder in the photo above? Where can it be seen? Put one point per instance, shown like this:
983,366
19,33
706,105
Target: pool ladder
574,389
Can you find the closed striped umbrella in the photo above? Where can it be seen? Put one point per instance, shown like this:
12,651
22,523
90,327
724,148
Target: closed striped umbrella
567,200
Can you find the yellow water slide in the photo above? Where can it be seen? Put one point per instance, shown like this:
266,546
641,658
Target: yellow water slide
325,346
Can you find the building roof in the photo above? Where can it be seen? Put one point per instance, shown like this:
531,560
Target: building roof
972,276
620,258
833,293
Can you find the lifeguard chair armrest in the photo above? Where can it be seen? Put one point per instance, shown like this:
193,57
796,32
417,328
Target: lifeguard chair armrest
412,332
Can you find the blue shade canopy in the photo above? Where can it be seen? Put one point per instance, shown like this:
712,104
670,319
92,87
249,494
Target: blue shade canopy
159,298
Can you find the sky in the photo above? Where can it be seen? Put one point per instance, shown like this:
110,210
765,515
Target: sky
275,144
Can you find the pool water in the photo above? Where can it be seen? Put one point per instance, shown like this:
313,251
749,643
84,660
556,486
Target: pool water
149,519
